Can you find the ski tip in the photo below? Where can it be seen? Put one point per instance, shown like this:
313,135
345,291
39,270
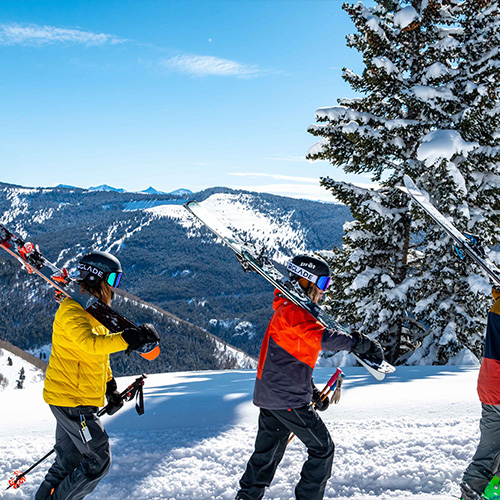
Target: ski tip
150,351
386,368
189,203
409,183
378,368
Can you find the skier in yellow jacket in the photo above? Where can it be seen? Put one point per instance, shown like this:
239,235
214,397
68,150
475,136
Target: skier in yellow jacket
79,380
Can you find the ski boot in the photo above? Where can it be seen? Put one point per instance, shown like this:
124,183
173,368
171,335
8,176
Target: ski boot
492,491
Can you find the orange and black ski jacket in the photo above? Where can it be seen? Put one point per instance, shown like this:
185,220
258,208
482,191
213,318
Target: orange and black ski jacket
289,353
488,383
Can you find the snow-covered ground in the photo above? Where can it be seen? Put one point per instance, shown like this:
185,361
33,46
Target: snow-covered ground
10,371
410,436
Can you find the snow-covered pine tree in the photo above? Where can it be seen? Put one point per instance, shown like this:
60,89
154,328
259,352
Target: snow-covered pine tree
463,158
377,134
370,283
477,84
411,119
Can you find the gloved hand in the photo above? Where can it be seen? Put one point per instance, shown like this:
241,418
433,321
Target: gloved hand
113,397
316,399
365,345
142,335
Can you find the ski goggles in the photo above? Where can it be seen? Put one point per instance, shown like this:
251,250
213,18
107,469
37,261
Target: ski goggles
323,282
113,279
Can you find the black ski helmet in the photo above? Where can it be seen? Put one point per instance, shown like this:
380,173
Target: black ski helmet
312,269
96,267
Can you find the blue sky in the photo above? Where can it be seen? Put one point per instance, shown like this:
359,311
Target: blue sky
169,93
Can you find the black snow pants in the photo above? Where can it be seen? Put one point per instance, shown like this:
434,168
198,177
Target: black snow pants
79,465
274,429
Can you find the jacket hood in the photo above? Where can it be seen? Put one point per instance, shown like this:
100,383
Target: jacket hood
496,293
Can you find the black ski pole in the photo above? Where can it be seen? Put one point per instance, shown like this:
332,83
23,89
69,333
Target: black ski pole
134,389
20,477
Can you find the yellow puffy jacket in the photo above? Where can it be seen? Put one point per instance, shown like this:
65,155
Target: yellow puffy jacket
79,362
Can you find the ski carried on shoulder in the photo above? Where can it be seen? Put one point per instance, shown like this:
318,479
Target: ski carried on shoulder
465,244
252,260
32,260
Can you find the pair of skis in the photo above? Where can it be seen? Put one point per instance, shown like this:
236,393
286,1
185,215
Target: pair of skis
253,260
31,259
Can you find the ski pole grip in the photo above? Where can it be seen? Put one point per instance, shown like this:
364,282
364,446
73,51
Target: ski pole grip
334,378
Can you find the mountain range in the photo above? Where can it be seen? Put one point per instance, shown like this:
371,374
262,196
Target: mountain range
149,190
190,286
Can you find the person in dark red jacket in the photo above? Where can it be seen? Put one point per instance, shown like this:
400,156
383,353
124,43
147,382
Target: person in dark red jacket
486,461
284,387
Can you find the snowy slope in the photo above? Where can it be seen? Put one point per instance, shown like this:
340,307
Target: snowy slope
410,436
10,373
169,260
238,212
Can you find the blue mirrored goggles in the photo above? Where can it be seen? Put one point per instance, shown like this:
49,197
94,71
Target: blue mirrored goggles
113,279
323,282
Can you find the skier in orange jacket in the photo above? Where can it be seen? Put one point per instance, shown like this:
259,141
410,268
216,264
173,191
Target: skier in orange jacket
284,387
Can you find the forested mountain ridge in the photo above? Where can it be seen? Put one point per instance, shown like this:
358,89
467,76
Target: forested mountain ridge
169,261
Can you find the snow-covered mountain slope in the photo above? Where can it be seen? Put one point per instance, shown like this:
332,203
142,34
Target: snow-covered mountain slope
105,187
169,260
273,229
409,437
272,221
11,367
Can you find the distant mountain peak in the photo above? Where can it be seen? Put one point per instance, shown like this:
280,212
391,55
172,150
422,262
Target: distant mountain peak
105,187
152,190
181,192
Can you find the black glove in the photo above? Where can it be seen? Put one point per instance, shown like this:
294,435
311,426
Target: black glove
142,335
113,397
365,345
318,403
